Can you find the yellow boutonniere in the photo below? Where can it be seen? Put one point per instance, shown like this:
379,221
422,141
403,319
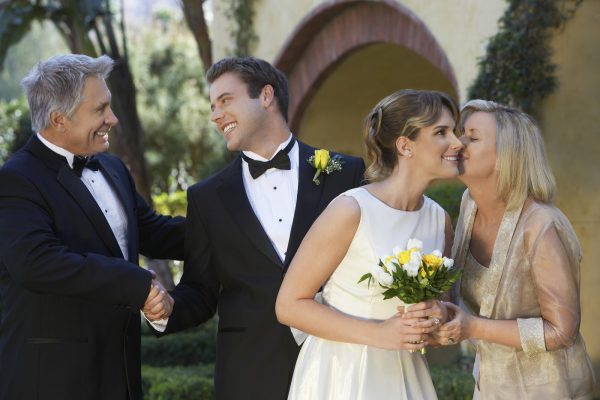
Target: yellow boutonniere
322,162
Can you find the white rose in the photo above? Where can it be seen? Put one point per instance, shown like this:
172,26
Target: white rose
385,279
388,261
437,253
414,244
412,266
448,262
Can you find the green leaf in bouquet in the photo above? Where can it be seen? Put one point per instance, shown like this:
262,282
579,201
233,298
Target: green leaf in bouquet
368,276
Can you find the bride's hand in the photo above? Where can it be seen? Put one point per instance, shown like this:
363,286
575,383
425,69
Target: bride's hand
399,333
434,310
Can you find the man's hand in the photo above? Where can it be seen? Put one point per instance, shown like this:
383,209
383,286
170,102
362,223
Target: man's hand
159,303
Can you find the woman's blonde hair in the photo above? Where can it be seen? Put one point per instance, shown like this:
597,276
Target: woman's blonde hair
402,113
521,162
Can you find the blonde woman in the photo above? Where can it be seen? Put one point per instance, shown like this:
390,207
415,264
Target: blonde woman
521,264
357,348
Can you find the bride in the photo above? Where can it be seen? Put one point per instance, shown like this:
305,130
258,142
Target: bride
359,345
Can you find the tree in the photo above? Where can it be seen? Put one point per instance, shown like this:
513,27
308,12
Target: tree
517,68
193,11
87,28
181,144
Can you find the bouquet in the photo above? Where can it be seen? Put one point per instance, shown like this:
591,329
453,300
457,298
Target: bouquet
412,276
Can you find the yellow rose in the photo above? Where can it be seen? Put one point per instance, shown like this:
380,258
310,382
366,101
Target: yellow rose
404,257
433,261
321,158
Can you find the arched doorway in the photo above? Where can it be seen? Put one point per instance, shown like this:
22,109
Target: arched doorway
346,55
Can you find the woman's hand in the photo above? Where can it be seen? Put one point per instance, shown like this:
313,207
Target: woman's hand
457,329
398,333
434,310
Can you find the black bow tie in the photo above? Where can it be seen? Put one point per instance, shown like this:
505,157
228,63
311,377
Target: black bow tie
280,161
80,162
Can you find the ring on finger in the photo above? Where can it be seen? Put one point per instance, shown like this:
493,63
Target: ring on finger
436,321
450,340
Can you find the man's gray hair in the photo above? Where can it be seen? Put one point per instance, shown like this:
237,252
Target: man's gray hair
57,85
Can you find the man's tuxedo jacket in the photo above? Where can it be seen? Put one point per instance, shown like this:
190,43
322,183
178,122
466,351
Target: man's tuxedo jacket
70,321
231,264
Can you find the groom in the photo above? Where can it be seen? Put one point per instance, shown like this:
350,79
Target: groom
244,226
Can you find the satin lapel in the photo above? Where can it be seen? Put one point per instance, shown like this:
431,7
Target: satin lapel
503,240
307,201
124,195
81,195
235,200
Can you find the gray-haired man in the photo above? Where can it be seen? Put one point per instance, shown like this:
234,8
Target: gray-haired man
71,228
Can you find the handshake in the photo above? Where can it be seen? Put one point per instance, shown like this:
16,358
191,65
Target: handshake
159,303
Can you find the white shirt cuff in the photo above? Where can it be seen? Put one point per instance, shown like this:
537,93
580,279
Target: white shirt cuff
160,324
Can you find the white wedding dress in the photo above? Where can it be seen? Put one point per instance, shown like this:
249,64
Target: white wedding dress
337,371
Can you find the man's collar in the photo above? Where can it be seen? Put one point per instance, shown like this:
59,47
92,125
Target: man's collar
257,157
57,149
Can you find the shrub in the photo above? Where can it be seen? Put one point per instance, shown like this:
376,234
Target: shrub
178,383
455,381
448,195
189,347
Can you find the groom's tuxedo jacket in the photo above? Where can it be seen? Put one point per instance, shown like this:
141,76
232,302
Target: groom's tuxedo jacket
231,264
70,320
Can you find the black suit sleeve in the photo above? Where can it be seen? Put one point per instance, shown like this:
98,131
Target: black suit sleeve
197,293
37,259
161,236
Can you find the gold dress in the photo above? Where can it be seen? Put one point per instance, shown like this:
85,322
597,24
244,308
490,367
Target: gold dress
533,277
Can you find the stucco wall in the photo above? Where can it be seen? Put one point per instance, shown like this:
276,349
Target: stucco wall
462,28
570,121
334,118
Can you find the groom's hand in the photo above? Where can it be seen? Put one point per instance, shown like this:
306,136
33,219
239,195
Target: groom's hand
159,303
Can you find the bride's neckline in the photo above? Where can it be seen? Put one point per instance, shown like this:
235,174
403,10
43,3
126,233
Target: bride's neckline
393,208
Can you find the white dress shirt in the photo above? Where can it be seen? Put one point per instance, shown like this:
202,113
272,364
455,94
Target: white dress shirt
103,193
273,197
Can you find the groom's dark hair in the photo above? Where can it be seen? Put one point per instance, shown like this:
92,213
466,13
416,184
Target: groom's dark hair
256,74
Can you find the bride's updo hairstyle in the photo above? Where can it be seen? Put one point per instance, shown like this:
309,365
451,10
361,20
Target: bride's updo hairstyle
402,113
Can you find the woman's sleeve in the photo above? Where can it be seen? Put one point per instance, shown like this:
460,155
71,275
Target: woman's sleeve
556,287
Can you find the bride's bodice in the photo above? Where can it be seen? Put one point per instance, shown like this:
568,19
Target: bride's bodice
381,228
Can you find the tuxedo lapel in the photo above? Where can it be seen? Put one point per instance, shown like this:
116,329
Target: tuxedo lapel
73,185
125,196
235,200
309,196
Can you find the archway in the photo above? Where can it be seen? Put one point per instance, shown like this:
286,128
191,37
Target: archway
356,52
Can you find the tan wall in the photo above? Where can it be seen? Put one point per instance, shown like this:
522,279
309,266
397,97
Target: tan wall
571,124
461,27
335,116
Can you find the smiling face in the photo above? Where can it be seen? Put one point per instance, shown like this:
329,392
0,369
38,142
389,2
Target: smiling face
436,148
240,119
478,159
86,131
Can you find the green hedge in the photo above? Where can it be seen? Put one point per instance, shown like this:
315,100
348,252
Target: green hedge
178,383
448,195
191,347
196,382
454,381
